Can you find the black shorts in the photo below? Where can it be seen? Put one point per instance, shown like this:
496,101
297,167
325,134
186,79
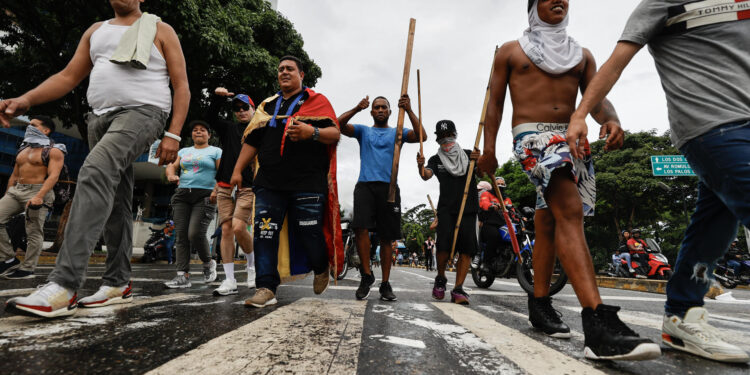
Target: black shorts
467,233
373,212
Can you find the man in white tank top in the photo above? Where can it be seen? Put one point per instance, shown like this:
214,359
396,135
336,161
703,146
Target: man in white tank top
130,108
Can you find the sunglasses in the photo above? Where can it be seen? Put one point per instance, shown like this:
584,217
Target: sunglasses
245,107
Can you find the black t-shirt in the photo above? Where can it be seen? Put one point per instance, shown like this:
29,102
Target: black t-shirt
230,137
452,189
304,164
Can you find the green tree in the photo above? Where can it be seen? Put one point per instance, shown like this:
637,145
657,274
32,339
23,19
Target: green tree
415,226
231,43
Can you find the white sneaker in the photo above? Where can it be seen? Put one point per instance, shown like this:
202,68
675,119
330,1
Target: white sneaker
108,295
179,282
50,300
694,335
226,288
251,277
209,274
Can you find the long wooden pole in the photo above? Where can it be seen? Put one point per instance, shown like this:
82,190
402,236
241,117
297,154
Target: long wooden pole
401,112
469,174
434,211
419,99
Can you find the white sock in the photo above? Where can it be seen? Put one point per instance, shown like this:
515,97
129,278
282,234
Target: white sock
250,260
10,260
180,273
229,270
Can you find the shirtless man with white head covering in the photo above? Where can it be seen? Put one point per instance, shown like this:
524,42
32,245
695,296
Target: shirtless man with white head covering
544,70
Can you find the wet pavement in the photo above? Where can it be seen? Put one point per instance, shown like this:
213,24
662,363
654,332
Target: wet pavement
190,331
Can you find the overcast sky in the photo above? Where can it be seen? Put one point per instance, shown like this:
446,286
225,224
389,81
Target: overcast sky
360,46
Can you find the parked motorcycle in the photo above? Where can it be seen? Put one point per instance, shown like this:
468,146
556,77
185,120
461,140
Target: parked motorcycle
728,278
506,264
156,246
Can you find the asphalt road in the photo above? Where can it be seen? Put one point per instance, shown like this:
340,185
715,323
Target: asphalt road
190,331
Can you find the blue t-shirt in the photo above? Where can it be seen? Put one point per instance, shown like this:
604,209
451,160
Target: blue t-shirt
376,152
198,166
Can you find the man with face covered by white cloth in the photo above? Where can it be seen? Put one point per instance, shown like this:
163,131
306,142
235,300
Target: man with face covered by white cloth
544,70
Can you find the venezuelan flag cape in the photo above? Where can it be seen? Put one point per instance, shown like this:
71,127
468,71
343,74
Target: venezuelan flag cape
292,256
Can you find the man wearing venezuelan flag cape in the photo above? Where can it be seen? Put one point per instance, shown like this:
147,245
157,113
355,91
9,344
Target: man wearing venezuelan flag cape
297,227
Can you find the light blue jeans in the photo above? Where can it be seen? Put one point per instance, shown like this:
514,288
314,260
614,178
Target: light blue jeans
721,159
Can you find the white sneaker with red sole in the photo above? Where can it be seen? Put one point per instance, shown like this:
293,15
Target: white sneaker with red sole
108,295
50,300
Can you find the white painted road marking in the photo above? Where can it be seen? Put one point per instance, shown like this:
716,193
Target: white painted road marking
311,336
528,353
470,350
419,344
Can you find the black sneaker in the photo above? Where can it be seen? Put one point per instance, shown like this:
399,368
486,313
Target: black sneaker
364,286
386,292
545,318
607,337
8,267
19,274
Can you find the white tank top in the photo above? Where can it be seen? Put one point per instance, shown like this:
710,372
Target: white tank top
113,86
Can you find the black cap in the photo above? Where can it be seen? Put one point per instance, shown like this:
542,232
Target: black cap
531,4
444,127
202,123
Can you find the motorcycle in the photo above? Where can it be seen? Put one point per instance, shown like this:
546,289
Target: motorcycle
506,263
728,278
155,247
657,267
351,256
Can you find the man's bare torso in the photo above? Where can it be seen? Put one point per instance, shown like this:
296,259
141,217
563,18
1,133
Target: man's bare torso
538,96
31,169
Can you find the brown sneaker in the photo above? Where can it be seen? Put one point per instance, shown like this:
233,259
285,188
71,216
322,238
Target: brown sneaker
263,297
320,283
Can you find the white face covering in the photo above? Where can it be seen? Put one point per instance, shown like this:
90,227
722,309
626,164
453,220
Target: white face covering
548,46
454,158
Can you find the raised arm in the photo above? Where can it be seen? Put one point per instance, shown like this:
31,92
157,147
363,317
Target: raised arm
346,128
596,91
55,86
498,84
427,171
412,136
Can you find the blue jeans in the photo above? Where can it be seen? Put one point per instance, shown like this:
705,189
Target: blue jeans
616,259
734,265
305,222
721,159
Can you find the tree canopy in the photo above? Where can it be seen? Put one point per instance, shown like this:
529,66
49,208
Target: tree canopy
232,43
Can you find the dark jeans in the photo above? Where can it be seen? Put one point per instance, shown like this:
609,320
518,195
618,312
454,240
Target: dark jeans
192,213
305,223
721,159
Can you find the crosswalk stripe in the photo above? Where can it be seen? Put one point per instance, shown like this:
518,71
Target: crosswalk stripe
311,336
573,333
528,353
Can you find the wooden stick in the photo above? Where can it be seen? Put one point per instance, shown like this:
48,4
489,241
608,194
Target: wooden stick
508,223
469,174
401,113
434,211
419,99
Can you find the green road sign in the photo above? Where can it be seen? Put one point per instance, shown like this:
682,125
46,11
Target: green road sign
670,165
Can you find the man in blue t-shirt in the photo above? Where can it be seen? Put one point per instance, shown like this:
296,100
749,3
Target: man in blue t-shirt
371,208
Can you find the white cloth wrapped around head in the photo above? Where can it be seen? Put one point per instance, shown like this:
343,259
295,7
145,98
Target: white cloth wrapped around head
548,46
